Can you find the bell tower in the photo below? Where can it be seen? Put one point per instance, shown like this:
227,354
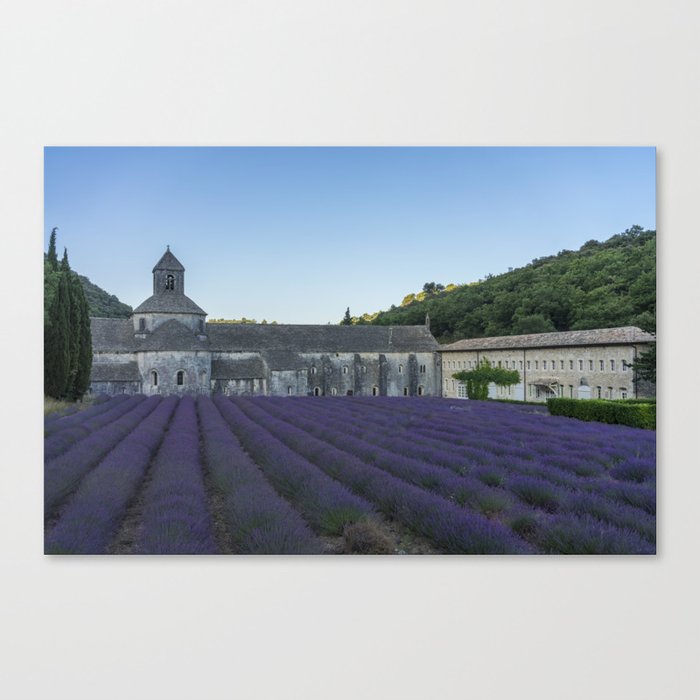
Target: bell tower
168,276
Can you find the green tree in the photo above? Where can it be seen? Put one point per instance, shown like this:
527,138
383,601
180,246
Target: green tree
478,380
57,342
347,319
51,256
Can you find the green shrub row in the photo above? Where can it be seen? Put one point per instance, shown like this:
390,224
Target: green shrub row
637,415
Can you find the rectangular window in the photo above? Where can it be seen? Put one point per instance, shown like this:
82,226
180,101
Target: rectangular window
623,393
612,365
544,364
598,391
521,364
571,391
590,365
624,365
537,364
499,363
528,364
561,363
602,365
462,391
571,364
580,365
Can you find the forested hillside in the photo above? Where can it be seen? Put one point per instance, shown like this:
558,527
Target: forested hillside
601,285
101,303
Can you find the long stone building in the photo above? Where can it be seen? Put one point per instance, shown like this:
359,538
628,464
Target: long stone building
167,347
572,364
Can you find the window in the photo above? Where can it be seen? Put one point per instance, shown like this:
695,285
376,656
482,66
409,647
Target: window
313,369
499,363
345,370
537,364
453,385
400,369
590,365
561,390
180,378
571,364
201,325
334,391
317,391
521,364
420,390
528,364
462,390
529,389
598,392
561,364
289,391
571,391
154,378
612,365
405,391
580,365
364,369
142,324
602,365
169,282
610,393
624,365
544,364
447,381
623,393
375,391
421,369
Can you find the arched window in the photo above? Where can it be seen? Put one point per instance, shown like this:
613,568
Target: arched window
317,391
289,390
400,369
180,377
345,370
405,391
420,390
375,391
154,377
334,391
313,369
170,282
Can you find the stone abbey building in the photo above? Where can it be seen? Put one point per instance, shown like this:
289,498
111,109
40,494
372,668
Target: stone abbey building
167,347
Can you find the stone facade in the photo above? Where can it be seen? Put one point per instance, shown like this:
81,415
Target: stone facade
167,347
572,364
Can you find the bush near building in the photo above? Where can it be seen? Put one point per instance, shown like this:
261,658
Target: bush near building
636,414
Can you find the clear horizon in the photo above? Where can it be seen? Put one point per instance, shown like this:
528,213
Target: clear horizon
296,235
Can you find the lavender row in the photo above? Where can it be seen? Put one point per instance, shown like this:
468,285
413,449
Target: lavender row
449,527
176,517
78,418
62,475
259,521
325,504
62,440
95,511
525,483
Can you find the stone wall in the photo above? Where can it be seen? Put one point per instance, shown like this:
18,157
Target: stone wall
195,366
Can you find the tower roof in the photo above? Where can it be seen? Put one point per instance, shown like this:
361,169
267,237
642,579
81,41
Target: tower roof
168,262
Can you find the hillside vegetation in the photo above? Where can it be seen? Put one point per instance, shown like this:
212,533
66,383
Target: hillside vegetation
103,304
601,285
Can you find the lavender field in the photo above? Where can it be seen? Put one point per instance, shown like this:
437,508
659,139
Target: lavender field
136,475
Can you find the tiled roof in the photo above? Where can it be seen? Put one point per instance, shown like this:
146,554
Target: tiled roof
319,338
117,335
112,334
244,368
168,262
600,336
169,302
115,372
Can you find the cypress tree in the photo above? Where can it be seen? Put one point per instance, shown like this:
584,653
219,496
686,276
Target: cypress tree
81,381
57,342
347,319
51,256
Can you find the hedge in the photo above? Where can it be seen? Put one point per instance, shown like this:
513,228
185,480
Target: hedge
636,415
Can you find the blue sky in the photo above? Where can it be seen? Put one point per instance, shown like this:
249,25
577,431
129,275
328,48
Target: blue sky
296,235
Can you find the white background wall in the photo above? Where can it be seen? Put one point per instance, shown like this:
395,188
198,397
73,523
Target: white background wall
325,72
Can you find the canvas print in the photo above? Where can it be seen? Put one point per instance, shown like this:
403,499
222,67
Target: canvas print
349,351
